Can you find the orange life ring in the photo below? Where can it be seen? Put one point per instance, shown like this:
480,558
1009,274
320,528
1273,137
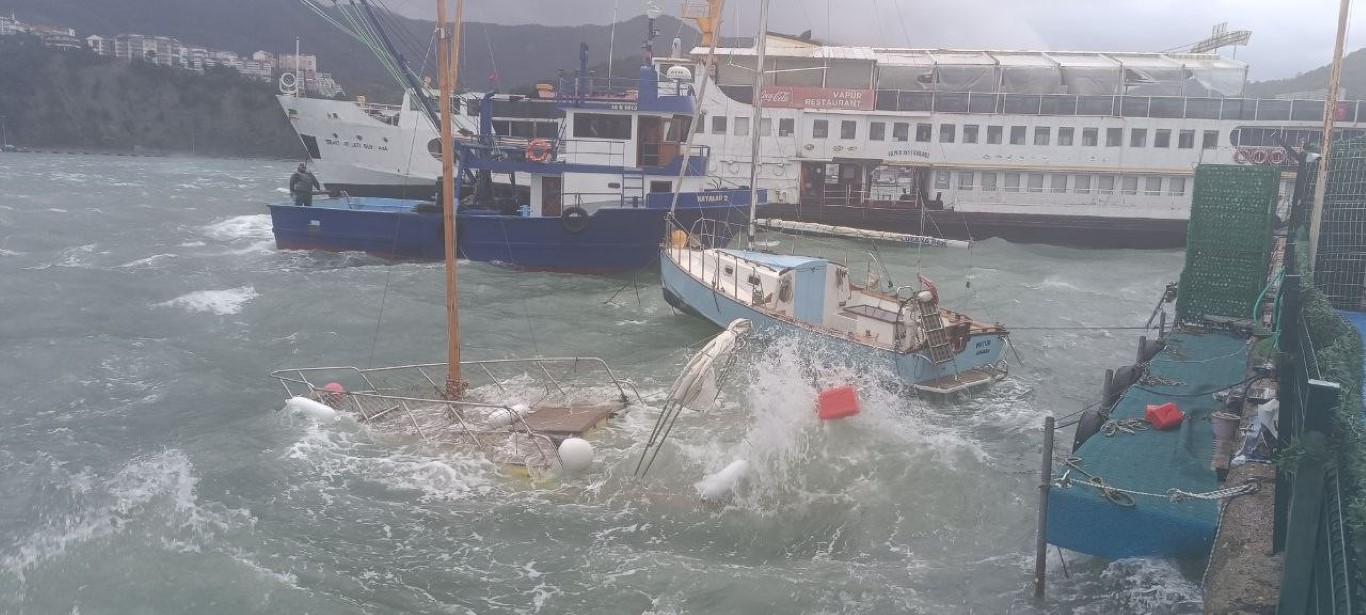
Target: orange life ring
538,150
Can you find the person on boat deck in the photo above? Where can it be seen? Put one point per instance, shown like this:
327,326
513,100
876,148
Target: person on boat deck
302,184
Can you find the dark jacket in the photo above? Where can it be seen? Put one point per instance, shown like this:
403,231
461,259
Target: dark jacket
303,182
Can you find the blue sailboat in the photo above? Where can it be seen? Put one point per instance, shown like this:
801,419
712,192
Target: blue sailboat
594,200
934,349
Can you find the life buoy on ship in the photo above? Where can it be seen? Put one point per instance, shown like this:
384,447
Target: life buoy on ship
781,170
538,150
574,219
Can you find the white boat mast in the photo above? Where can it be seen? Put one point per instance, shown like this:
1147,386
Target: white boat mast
758,99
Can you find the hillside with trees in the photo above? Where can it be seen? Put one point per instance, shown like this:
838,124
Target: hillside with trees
76,99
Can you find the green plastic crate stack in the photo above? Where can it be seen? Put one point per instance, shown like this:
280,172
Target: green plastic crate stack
1228,241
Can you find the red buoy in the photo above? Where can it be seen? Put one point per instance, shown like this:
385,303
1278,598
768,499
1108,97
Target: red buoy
1165,416
837,403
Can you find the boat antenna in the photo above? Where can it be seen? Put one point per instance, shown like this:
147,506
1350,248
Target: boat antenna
1330,107
697,118
758,100
612,40
448,61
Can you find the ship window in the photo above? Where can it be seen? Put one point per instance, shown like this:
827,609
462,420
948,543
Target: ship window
1176,186
602,126
1057,184
965,180
1114,137
901,131
434,148
1185,139
848,129
988,182
741,127
1017,135
1210,139
360,138
1012,182
1065,136
947,132
1036,182
1081,184
1152,186
1041,135
877,131
1090,137
766,127
922,133
786,126
1128,184
1162,138
718,125
1105,184
993,135
1138,137
820,129
661,186
969,133
941,180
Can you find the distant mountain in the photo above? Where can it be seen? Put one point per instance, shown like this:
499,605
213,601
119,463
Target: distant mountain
1353,80
522,54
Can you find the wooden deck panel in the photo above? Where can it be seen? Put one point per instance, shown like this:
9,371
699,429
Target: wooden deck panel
569,421
961,381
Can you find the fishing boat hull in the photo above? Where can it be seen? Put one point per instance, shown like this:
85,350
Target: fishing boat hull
611,239
978,364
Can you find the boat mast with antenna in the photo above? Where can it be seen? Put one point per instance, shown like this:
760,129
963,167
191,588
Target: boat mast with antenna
1330,109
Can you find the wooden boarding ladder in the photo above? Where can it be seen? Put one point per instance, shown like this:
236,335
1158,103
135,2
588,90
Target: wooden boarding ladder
936,337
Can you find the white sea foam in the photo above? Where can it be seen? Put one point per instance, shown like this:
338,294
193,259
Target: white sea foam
334,454
253,226
57,210
220,302
193,244
146,262
155,494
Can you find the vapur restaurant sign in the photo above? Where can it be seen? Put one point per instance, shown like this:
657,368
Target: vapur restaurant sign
800,97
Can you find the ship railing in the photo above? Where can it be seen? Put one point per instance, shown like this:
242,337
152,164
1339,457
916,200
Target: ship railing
598,88
1173,107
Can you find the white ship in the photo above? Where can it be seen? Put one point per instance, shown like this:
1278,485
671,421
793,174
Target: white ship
1095,146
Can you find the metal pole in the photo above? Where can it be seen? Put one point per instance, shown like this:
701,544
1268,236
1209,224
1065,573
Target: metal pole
1045,482
1330,107
758,120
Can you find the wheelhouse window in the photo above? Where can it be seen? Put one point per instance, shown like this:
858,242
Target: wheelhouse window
1210,139
1114,137
848,129
1162,138
1036,182
1128,184
994,135
1138,137
922,133
1042,135
988,181
1081,184
1012,182
718,125
1176,186
901,131
1057,184
947,132
820,129
1185,139
602,126
741,127
1105,184
1090,137
1152,186
877,131
786,126
965,180
969,133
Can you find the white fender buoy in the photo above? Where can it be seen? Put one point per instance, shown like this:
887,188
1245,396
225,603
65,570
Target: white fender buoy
502,417
576,454
723,483
311,409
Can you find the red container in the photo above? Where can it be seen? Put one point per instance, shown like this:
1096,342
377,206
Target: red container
837,403
1165,416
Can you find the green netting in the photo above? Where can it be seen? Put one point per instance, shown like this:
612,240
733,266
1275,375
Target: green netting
1228,240
1340,270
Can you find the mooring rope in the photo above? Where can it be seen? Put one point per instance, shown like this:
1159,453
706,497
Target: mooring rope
1122,497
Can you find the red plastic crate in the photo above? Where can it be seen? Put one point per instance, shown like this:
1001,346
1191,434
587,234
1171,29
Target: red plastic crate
837,403
1165,416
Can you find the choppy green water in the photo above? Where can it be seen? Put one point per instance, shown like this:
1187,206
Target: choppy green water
146,469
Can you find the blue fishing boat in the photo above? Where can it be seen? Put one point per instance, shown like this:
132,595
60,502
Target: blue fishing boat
594,200
931,348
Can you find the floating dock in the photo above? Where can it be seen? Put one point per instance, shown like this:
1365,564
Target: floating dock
1146,465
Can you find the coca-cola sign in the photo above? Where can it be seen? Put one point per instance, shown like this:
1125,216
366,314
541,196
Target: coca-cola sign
800,97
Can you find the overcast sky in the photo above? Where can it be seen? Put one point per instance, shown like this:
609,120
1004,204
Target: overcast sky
1287,37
